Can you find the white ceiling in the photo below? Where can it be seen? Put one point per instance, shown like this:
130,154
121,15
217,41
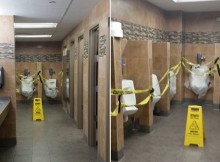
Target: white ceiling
187,7
67,13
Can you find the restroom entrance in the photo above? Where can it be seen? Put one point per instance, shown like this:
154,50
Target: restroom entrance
80,81
93,85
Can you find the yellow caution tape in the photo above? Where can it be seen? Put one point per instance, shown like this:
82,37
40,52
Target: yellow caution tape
61,78
175,68
18,76
43,79
17,90
121,92
209,63
144,102
210,72
187,61
190,63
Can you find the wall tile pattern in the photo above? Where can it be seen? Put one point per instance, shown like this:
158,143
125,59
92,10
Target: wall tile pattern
138,32
102,45
7,51
38,58
86,50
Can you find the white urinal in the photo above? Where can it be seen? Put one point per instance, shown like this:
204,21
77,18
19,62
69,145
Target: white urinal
128,99
67,88
172,85
50,88
156,88
27,86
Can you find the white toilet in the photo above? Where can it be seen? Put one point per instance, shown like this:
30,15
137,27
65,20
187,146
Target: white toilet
156,88
128,99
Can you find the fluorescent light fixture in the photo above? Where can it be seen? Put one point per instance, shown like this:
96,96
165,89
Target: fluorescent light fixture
33,36
35,25
182,1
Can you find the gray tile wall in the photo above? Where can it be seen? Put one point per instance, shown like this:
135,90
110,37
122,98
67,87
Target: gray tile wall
38,58
7,51
138,32
102,45
86,50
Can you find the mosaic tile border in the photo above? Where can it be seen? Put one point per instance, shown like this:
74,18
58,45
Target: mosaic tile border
202,37
38,58
102,45
75,53
138,32
86,50
7,51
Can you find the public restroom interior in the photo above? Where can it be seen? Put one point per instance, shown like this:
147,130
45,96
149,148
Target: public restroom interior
73,56
157,35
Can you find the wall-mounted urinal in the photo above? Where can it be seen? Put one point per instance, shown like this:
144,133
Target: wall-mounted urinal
50,88
199,82
156,87
27,86
67,88
128,99
172,84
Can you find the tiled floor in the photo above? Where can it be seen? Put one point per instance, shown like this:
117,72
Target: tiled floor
54,140
165,142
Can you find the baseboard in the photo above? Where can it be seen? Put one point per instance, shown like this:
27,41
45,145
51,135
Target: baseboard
24,101
175,102
164,113
8,142
100,159
145,129
44,101
200,102
117,155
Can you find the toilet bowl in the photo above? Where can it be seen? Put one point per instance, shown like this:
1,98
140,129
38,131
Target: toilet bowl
156,87
50,88
128,99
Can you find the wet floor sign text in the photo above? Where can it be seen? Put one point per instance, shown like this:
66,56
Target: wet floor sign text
194,133
38,113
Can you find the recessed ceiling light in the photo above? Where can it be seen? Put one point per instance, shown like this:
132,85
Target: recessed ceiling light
182,1
32,36
52,2
35,25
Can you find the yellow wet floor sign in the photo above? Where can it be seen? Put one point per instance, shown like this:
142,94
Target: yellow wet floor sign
194,133
38,113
